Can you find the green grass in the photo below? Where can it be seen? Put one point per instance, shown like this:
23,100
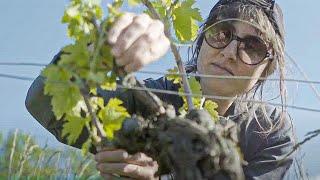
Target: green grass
22,158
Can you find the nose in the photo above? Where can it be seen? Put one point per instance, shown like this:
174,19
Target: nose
230,52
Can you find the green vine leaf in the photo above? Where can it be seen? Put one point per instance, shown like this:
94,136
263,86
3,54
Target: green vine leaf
211,107
81,107
79,16
73,127
86,146
161,7
65,94
106,57
112,116
195,85
134,2
85,66
195,89
173,75
185,19
109,83
76,57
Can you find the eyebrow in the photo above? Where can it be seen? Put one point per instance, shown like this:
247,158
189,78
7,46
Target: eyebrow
258,33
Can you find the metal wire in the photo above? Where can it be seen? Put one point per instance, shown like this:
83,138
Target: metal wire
16,77
229,77
313,88
177,93
181,74
21,64
215,97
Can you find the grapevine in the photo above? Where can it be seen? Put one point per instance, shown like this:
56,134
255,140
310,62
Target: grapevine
87,66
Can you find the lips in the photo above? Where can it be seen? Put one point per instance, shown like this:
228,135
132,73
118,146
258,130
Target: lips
223,68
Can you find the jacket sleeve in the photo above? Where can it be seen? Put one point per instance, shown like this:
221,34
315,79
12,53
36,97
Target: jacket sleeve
264,152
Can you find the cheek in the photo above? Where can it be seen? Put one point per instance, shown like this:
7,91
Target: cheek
206,55
255,72
233,87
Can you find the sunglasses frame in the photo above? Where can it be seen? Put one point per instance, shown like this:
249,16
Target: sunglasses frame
268,55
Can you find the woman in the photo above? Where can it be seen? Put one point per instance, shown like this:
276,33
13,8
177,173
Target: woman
239,38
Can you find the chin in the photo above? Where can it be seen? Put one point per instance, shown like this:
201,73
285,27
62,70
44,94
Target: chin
219,88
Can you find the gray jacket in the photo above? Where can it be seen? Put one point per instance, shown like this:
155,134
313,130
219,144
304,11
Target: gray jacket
261,152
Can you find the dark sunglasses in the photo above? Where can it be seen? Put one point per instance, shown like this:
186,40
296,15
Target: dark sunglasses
251,50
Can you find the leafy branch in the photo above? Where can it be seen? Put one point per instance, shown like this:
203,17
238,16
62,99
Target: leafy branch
83,67
87,66
174,48
94,118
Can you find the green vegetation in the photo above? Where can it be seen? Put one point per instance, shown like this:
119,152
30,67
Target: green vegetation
23,158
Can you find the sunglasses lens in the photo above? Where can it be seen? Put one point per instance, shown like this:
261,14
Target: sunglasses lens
252,50
218,36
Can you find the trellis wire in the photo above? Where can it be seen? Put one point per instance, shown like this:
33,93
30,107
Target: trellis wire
229,77
313,88
178,93
215,97
181,74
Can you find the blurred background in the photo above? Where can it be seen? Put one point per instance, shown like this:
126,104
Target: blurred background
31,31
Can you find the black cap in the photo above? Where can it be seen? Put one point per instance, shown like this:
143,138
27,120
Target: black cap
271,9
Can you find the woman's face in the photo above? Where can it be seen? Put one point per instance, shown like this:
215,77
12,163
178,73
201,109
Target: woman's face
226,62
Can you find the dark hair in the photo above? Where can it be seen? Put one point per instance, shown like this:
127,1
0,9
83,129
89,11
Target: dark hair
268,16
218,12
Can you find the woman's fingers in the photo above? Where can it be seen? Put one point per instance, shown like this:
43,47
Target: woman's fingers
129,35
104,148
112,156
137,40
124,21
143,53
113,177
106,176
140,159
159,49
145,50
138,166
122,156
129,170
139,50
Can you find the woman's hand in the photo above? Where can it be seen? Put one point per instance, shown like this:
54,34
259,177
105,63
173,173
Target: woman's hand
117,161
137,40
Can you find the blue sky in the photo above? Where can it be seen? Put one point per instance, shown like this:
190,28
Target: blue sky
30,31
